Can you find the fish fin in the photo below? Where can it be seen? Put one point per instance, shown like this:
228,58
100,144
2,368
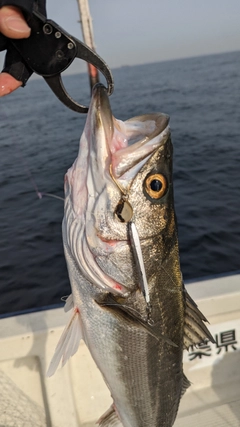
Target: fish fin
68,343
195,331
186,383
68,303
110,303
109,419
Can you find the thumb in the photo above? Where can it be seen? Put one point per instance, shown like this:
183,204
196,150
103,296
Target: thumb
12,23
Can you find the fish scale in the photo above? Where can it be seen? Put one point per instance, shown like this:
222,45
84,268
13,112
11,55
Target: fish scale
128,299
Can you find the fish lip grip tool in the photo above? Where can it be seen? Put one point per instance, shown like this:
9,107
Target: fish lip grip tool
50,50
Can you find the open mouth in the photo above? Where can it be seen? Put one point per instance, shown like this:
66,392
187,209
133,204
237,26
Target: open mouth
128,144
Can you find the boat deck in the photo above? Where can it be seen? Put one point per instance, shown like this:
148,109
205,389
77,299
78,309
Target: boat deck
76,395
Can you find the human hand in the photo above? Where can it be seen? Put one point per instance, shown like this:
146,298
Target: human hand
12,25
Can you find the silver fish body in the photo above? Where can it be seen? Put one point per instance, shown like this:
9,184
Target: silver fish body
137,346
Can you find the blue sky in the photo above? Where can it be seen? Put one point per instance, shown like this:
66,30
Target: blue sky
131,32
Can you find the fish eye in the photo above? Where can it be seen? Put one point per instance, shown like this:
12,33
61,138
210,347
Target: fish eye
156,186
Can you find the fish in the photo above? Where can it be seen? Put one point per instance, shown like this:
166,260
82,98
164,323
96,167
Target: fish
128,301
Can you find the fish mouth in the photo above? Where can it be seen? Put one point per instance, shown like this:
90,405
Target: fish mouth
125,146
117,152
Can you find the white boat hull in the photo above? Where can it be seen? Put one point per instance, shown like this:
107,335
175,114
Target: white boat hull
76,395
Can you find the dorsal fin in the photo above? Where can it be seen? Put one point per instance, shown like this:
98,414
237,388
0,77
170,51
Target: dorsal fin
195,331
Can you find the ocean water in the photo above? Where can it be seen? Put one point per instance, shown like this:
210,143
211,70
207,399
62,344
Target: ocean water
39,140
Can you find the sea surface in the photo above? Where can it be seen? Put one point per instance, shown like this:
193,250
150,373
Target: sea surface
39,140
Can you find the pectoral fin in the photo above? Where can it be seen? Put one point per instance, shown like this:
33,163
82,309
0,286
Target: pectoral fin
68,303
195,331
126,313
68,343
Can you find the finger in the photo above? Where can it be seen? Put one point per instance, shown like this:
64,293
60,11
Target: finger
12,23
8,84
15,65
